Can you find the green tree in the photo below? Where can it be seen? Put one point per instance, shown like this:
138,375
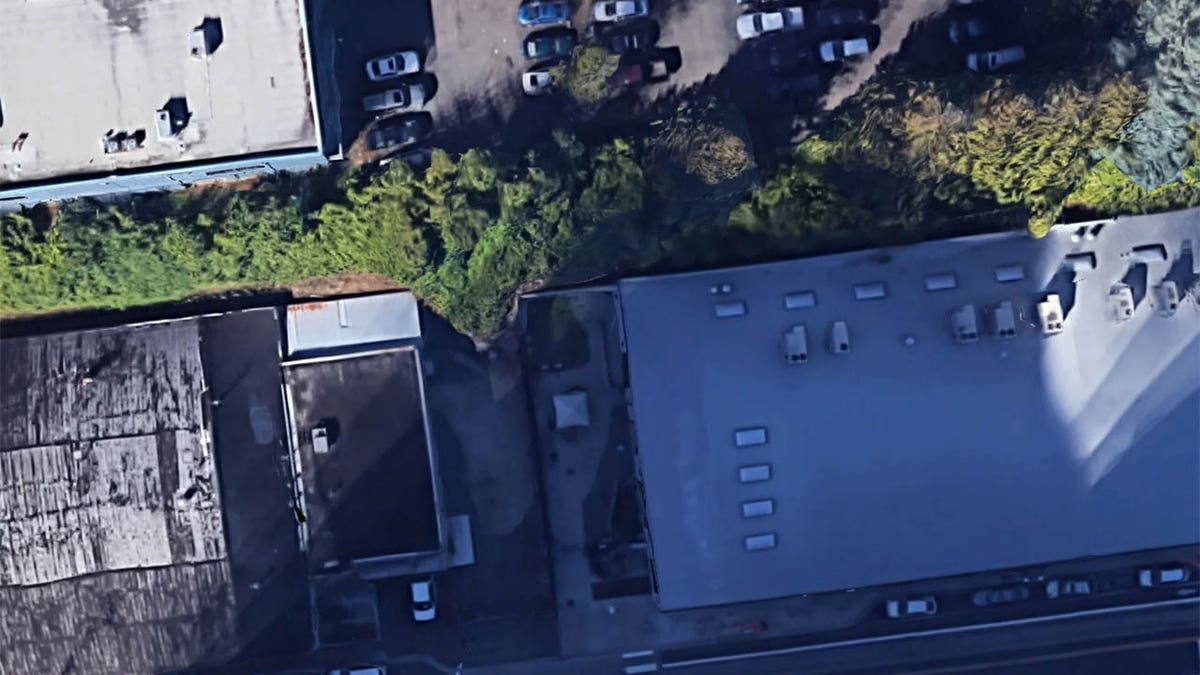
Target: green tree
585,75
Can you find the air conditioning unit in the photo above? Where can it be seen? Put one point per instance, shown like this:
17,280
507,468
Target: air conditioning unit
795,345
1004,320
1167,294
839,338
1050,315
1120,302
965,323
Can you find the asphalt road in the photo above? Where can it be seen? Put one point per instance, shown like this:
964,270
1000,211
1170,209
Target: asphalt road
959,649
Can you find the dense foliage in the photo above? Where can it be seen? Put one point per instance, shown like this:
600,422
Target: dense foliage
911,156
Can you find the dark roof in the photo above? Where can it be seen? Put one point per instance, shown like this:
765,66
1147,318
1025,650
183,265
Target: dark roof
104,471
373,493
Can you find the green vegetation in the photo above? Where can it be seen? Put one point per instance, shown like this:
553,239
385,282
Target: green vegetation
909,157
585,75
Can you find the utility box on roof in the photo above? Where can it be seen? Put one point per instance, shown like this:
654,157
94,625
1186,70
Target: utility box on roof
965,323
795,344
1050,315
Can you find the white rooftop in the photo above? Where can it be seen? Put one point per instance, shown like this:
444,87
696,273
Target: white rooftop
930,445
331,325
72,70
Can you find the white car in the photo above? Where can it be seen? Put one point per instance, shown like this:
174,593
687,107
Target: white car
403,97
393,65
986,62
757,24
537,81
360,670
609,11
1061,588
1151,577
837,50
899,609
424,600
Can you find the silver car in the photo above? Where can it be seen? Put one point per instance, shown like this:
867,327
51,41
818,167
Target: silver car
403,97
392,65
900,609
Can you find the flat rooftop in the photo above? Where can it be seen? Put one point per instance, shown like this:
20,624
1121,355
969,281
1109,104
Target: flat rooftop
378,463
108,503
912,455
72,71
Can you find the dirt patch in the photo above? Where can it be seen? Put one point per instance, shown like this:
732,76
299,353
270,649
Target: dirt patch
350,283
233,185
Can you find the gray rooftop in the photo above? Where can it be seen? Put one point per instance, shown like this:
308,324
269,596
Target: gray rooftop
914,454
72,70
108,503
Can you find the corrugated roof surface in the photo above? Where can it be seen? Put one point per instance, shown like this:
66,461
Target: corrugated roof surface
909,455
318,327
104,469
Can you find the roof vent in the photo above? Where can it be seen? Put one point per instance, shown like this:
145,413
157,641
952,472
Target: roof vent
1080,263
720,289
795,344
839,338
758,508
874,290
965,324
744,438
1050,315
725,310
1149,253
760,542
940,282
1004,320
1167,294
1120,302
800,300
1009,273
754,473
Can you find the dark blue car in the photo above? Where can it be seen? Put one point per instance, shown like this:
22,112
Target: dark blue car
542,13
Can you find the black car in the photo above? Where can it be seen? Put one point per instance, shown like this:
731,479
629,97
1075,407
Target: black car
399,132
549,43
999,596
634,36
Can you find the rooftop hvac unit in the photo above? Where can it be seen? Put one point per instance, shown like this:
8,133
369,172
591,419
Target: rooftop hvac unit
720,289
795,345
1079,263
1120,302
1004,320
1050,315
965,323
1167,294
839,338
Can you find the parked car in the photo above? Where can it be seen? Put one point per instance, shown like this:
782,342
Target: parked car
392,65
549,43
1158,576
832,17
424,600
654,67
757,24
403,97
401,131
539,13
634,36
360,670
1000,596
1061,588
965,29
608,11
986,62
838,50
537,81
901,609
